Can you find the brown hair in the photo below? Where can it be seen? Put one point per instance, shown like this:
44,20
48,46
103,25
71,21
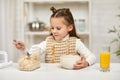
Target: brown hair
67,15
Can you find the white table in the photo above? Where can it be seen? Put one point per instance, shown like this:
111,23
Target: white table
55,72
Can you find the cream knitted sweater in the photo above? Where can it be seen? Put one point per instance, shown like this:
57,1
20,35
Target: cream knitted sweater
79,48
55,49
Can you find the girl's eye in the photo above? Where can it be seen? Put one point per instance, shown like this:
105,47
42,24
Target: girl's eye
51,28
58,28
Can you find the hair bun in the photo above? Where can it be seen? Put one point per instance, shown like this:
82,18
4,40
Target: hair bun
53,9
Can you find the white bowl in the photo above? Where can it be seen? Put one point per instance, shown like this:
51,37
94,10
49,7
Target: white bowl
67,61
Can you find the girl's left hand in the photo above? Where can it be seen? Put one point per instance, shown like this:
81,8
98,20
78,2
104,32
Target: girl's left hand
81,63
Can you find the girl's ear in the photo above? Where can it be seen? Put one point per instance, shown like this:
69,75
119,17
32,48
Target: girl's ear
70,27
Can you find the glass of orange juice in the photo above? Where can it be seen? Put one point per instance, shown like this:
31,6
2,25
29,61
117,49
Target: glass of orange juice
105,59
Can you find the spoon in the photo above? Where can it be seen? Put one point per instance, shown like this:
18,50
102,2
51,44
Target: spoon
26,50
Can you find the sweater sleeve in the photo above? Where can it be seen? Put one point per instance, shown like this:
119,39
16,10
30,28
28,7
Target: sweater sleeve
82,49
38,48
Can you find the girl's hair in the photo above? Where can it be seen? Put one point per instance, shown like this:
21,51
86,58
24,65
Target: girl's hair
67,15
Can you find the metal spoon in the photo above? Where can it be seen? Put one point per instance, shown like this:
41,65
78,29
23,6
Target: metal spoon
26,50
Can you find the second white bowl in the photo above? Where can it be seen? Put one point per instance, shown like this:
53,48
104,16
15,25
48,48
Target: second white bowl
67,61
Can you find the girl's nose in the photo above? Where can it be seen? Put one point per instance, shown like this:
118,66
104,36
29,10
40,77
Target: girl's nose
54,30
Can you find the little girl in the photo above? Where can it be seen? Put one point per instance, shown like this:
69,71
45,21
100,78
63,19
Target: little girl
63,40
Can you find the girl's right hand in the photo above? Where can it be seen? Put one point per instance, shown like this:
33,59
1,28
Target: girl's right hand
19,45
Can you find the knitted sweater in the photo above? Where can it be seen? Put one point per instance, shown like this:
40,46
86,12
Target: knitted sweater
55,49
68,45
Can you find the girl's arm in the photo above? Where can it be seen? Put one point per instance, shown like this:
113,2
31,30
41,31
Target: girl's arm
83,50
38,48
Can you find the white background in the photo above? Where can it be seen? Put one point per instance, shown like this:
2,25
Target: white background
103,17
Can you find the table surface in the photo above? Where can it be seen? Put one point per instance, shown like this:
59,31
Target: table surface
53,71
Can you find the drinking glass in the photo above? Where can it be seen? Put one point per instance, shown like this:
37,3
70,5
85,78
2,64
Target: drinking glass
3,56
105,59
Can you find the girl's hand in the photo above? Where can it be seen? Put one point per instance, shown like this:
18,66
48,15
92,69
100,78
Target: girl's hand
81,63
19,45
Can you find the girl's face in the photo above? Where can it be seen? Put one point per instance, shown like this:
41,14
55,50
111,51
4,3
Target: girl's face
59,29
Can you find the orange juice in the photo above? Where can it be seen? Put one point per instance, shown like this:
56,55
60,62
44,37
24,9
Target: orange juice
105,60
